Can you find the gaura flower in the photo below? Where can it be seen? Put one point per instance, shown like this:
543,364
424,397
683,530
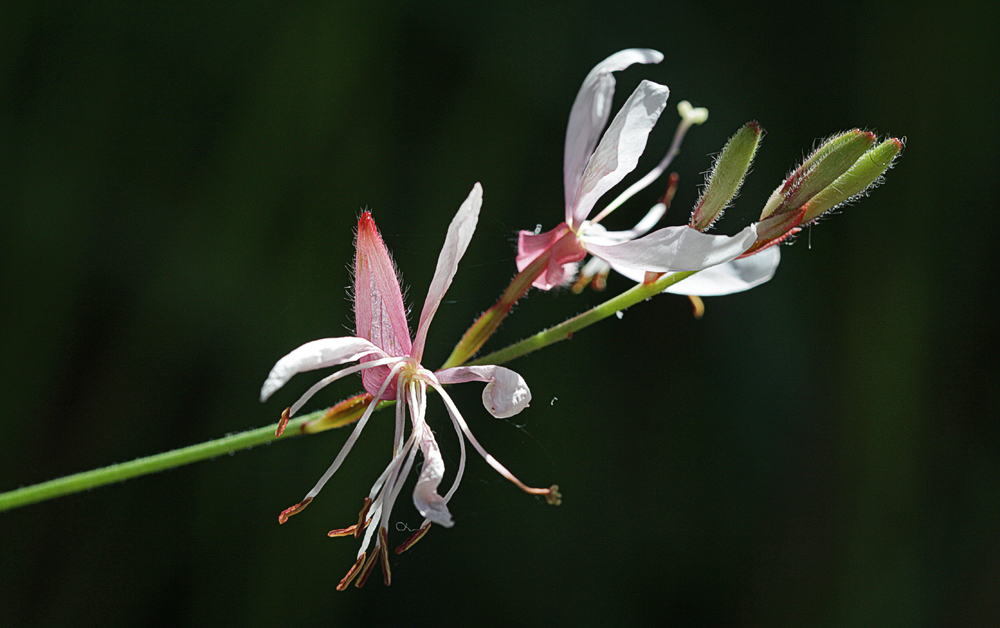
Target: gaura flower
390,367
589,173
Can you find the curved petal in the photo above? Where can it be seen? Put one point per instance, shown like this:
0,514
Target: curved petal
460,231
675,248
729,278
597,234
316,355
425,496
590,113
506,393
619,150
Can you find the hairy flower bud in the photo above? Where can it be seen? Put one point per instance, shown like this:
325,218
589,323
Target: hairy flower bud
832,159
727,175
865,173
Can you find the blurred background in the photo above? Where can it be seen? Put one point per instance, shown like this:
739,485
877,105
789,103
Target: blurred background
180,184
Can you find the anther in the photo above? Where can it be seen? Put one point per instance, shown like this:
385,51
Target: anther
294,510
698,305
362,522
349,531
383,552
408,543
282,424
367,570
351,573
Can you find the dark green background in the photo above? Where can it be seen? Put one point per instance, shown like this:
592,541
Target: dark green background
178,188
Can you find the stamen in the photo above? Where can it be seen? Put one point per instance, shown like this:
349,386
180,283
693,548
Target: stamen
551,494
383,552
356,433
367,571
283,423
410,542
698,304
326,381
351,573
294,510
362,522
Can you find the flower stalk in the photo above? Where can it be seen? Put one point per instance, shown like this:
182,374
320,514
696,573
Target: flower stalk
344,413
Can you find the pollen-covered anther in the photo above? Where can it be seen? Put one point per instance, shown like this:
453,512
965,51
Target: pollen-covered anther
352,572
283,423
383,552
410,542
294,510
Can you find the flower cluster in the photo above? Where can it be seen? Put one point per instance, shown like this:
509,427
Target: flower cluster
596,159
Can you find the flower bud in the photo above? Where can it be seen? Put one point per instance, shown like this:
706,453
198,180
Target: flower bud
829,161
864,174
844,167
727,176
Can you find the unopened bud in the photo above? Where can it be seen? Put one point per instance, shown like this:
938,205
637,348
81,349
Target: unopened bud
727,176
865,173
819,170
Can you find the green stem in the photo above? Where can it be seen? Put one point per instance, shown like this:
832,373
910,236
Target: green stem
564,330
150,464
194,453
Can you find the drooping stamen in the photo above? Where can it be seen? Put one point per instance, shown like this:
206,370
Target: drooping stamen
369,565
283,423
408,543
351,573
383,544
294,510
551,494
329,379
356,433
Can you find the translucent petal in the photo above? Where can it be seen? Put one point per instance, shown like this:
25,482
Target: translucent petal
590,113
460,231
674,249
619,149
316,355
729,278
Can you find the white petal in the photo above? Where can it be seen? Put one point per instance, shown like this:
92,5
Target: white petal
590,113
425,496
506,393
460,231
597,234
315,355
674,249
620,148
729,278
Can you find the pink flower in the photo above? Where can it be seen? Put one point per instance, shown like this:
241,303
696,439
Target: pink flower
390,366
591,168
